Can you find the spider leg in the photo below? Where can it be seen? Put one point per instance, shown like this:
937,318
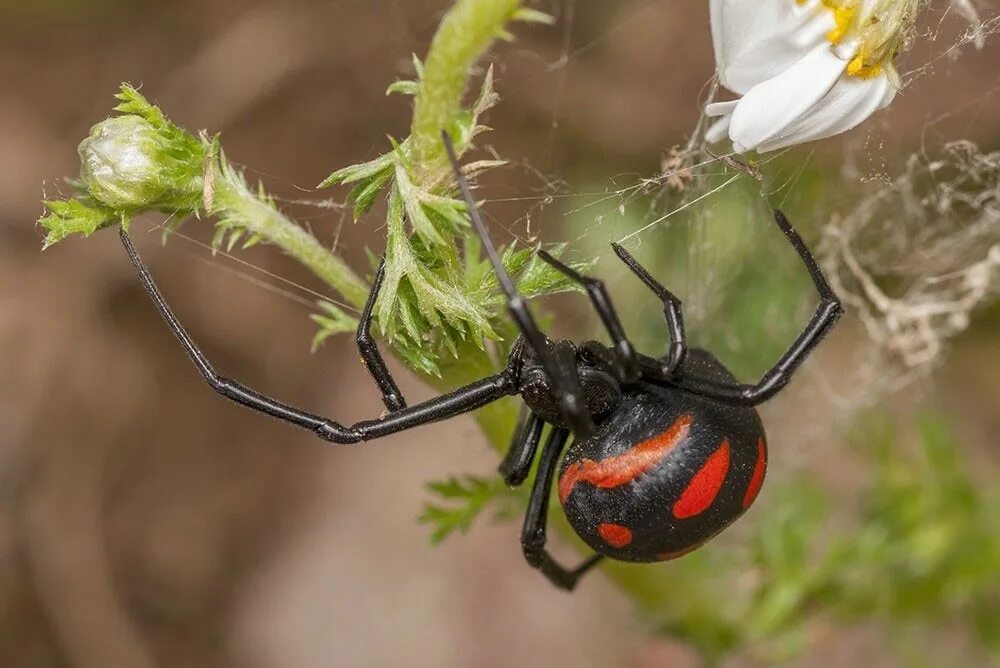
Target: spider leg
391,396
516,465
462,400
533,535
671,309
599,297
827,312
567,389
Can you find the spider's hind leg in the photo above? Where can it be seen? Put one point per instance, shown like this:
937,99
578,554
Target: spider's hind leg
533,535
827,312
823,319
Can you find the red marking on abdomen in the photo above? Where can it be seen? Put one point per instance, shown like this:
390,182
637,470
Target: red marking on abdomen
626,467
705,485
757,479
667,556
615,535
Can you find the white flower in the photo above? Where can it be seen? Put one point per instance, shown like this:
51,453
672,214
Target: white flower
805,69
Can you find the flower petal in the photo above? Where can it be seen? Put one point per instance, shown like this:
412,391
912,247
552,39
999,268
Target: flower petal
719,129
770,108
755,40
848,104
721,108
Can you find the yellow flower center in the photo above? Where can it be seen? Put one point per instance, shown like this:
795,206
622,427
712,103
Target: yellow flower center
881,28
860,67
843,18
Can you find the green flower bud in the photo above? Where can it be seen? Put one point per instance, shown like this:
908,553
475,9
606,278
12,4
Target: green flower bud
129,164
118,163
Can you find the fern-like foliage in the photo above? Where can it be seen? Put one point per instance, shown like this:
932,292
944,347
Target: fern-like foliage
439,293
461,501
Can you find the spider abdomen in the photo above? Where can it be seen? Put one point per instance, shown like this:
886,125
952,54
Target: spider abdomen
662,475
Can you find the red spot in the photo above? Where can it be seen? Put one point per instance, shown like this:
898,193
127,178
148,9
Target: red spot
626,467
757,479
667,556
615,535
705,485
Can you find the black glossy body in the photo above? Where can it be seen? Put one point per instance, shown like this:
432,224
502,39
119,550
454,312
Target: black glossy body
644,504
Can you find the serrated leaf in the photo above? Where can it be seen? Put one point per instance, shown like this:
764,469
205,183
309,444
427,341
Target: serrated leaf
366,192
415,211
364,170
133,102
332,321
488,96
467,497
539,278
75,216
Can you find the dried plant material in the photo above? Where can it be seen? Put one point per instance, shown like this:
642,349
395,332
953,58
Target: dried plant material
676,169
916,257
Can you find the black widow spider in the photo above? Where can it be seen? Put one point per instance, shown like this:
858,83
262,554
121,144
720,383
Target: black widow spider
667,451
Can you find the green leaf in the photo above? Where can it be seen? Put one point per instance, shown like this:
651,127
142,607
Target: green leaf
540,278
132,102
366,192
76,216
331,322
465,499
364,170
415,211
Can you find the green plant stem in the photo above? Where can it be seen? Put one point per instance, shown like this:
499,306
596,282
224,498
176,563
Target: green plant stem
465,33
235,201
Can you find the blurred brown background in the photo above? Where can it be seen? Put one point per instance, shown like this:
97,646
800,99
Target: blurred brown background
146,522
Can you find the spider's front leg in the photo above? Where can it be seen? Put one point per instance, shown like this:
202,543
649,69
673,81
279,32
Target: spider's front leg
671,310
624,351
533,535
370,355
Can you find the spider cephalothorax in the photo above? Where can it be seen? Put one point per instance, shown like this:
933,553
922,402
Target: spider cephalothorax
667,451
591,363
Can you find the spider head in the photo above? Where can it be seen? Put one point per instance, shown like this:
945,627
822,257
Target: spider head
591,364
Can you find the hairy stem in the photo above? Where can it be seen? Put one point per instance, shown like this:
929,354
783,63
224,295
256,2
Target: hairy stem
465,33
236,203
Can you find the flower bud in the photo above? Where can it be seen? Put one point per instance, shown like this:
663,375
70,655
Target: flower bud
127,163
